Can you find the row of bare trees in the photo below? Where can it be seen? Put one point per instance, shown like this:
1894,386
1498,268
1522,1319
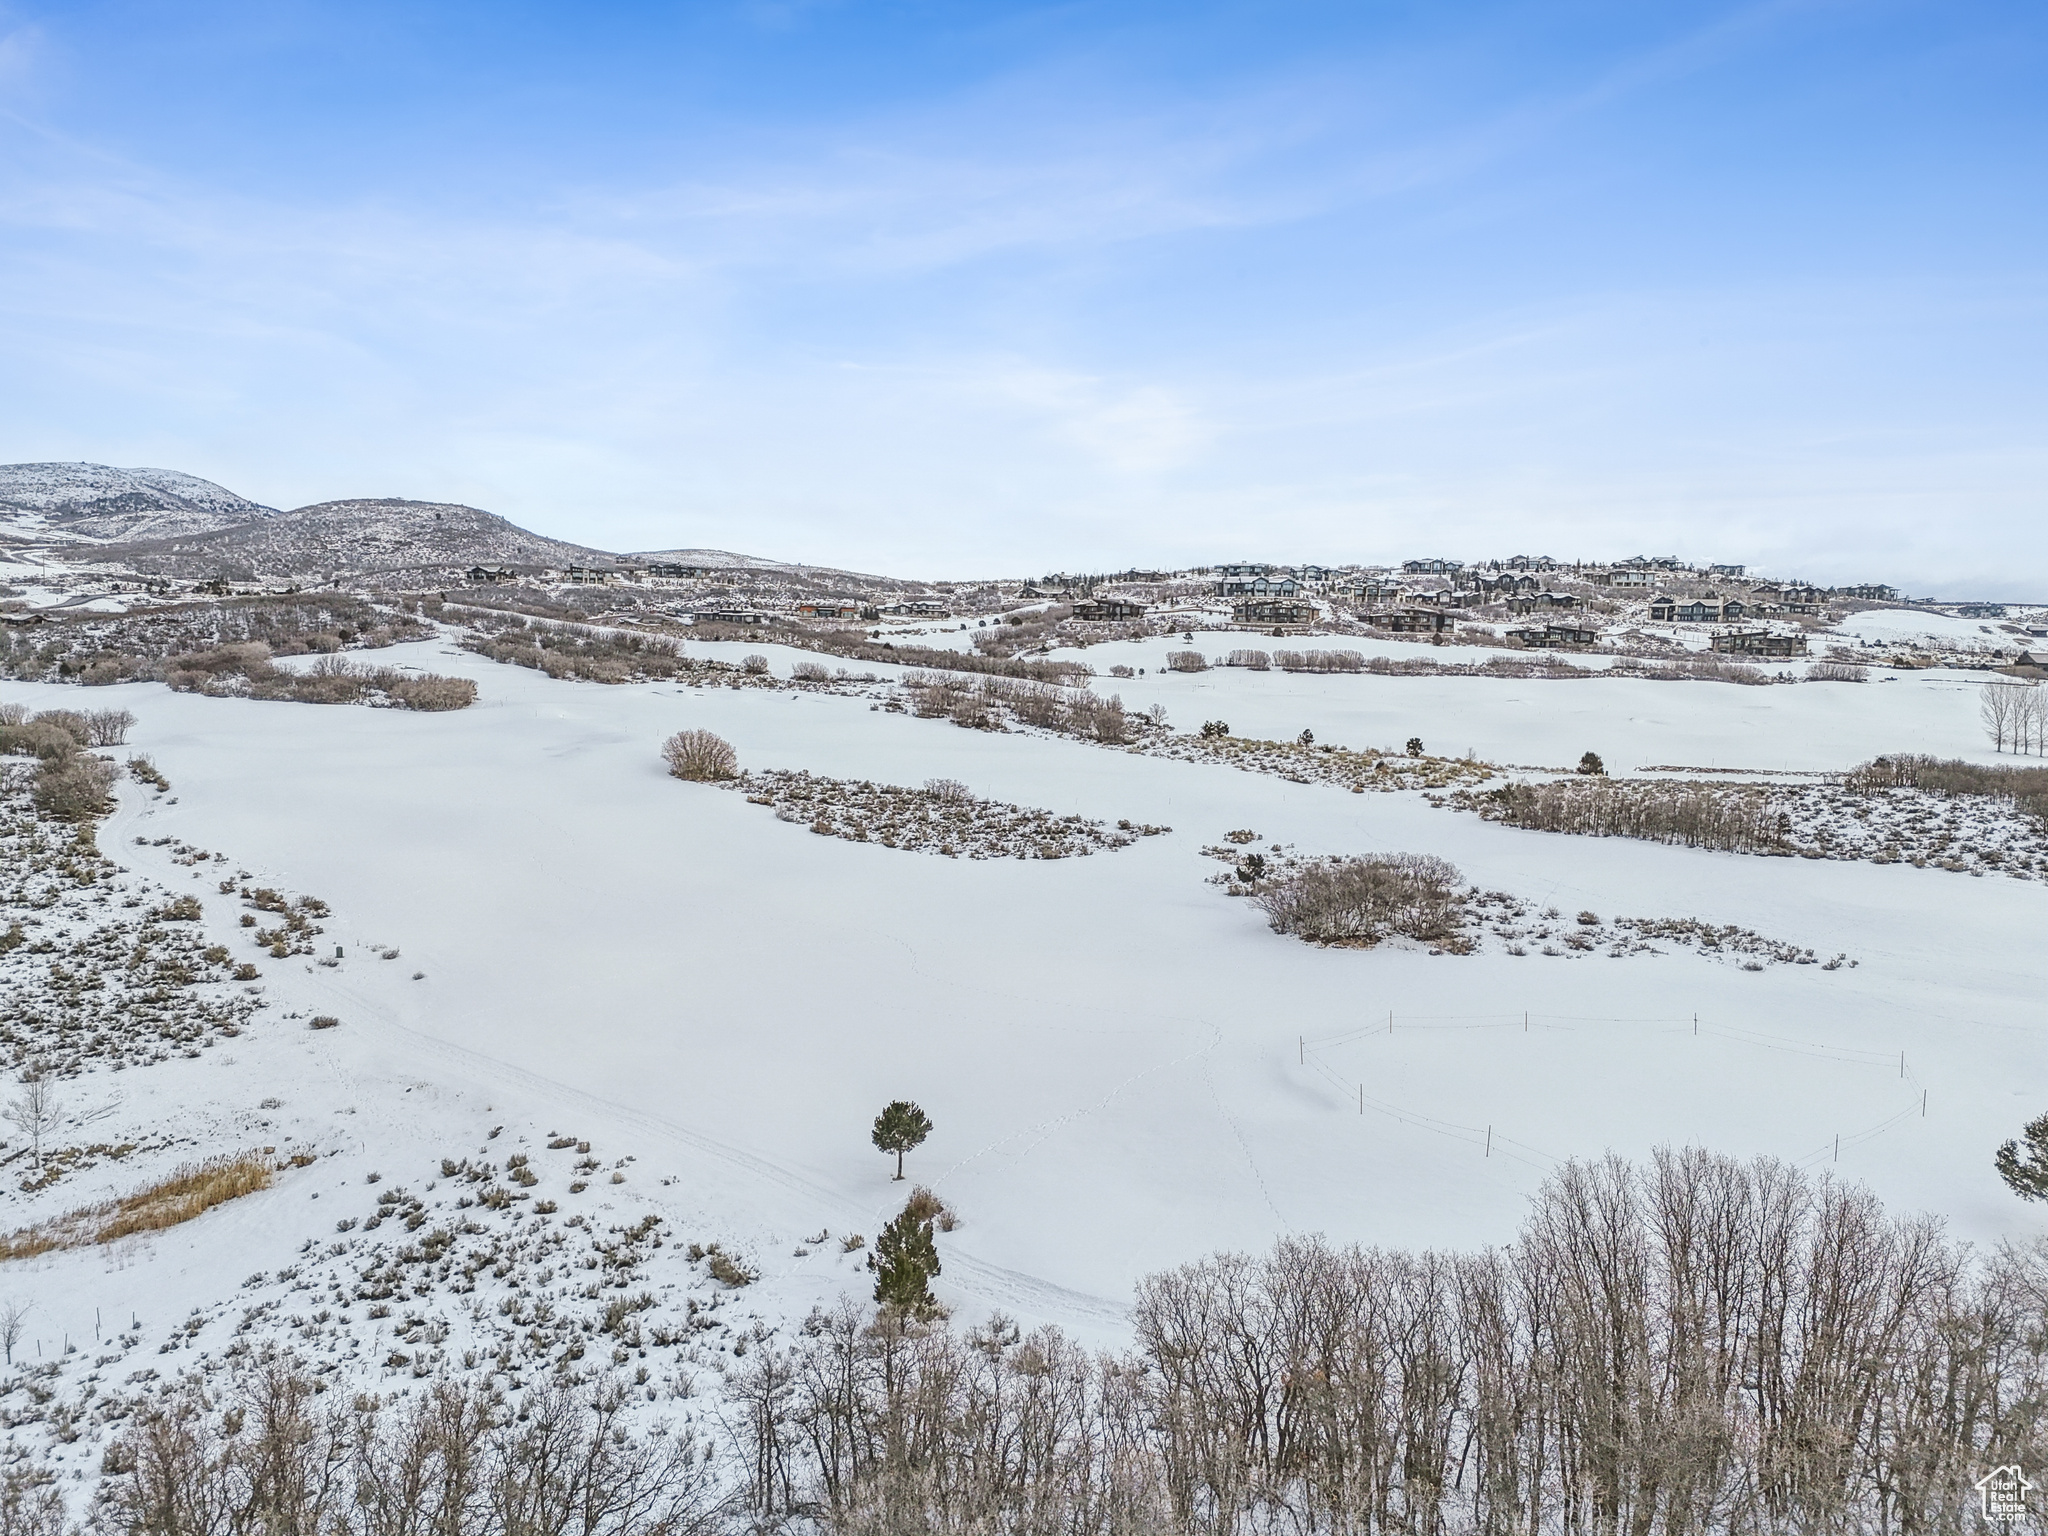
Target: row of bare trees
1699,1345
2015,715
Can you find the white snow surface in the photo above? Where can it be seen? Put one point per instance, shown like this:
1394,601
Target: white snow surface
1125,1067
1908,626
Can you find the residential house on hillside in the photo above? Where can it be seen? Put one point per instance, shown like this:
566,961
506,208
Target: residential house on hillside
1531,563
1508,584
588,575
1980,610
727,614
1529,602
1258,586
1629,578
1413,621
830,608
1697,610
1562,632
1727,570
918,608
489,575
1758,642
1432,567
1109,608
1873,592
1266,611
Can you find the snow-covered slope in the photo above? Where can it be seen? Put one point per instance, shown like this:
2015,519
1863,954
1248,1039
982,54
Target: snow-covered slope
712,559
1126,1068
373,536
99,501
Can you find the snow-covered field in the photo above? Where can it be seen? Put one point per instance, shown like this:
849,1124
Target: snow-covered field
1909,626
1125,1067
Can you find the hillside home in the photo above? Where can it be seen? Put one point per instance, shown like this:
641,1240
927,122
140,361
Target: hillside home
1758,642
1873,592
1109,608
1413,621
1529,602
1258,586
1265,611
1432,567
1697,610
1627,577
1564,633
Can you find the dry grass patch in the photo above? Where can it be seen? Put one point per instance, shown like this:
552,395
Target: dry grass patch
190,1192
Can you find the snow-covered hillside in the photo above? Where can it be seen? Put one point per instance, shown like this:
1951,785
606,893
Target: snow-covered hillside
386,537
72,501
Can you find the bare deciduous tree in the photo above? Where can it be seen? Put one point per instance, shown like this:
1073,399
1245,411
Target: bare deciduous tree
108,727
35,1111
1995,705
12,1315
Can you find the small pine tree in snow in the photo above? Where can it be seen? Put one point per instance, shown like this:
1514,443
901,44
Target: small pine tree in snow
1415,746
2028,1177
905,1263
901,1128
1591,765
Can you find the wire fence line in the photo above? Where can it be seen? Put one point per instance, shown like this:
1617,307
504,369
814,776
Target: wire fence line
1495,1142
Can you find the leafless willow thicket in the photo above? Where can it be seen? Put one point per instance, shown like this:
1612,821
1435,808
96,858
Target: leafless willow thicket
1736,818
278,1459
1319,661
700,755
1361,901
988,702
1698,1346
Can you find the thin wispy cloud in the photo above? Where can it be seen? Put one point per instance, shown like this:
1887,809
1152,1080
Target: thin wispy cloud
1087,289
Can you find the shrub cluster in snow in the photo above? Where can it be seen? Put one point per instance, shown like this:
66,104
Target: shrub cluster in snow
941,818
1305,763
1359,902
113,648
99,968
1855,816
991,703
488,1273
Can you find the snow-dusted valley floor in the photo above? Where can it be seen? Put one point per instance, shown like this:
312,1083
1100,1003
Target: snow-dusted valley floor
593,1021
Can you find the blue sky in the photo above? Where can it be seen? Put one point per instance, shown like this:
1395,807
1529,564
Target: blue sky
954,289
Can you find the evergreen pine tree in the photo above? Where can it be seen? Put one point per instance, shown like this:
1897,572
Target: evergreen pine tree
900,1128
905,1262
2028,1179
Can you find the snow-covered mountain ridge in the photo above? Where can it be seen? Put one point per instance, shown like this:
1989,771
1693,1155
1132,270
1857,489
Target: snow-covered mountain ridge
75,501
